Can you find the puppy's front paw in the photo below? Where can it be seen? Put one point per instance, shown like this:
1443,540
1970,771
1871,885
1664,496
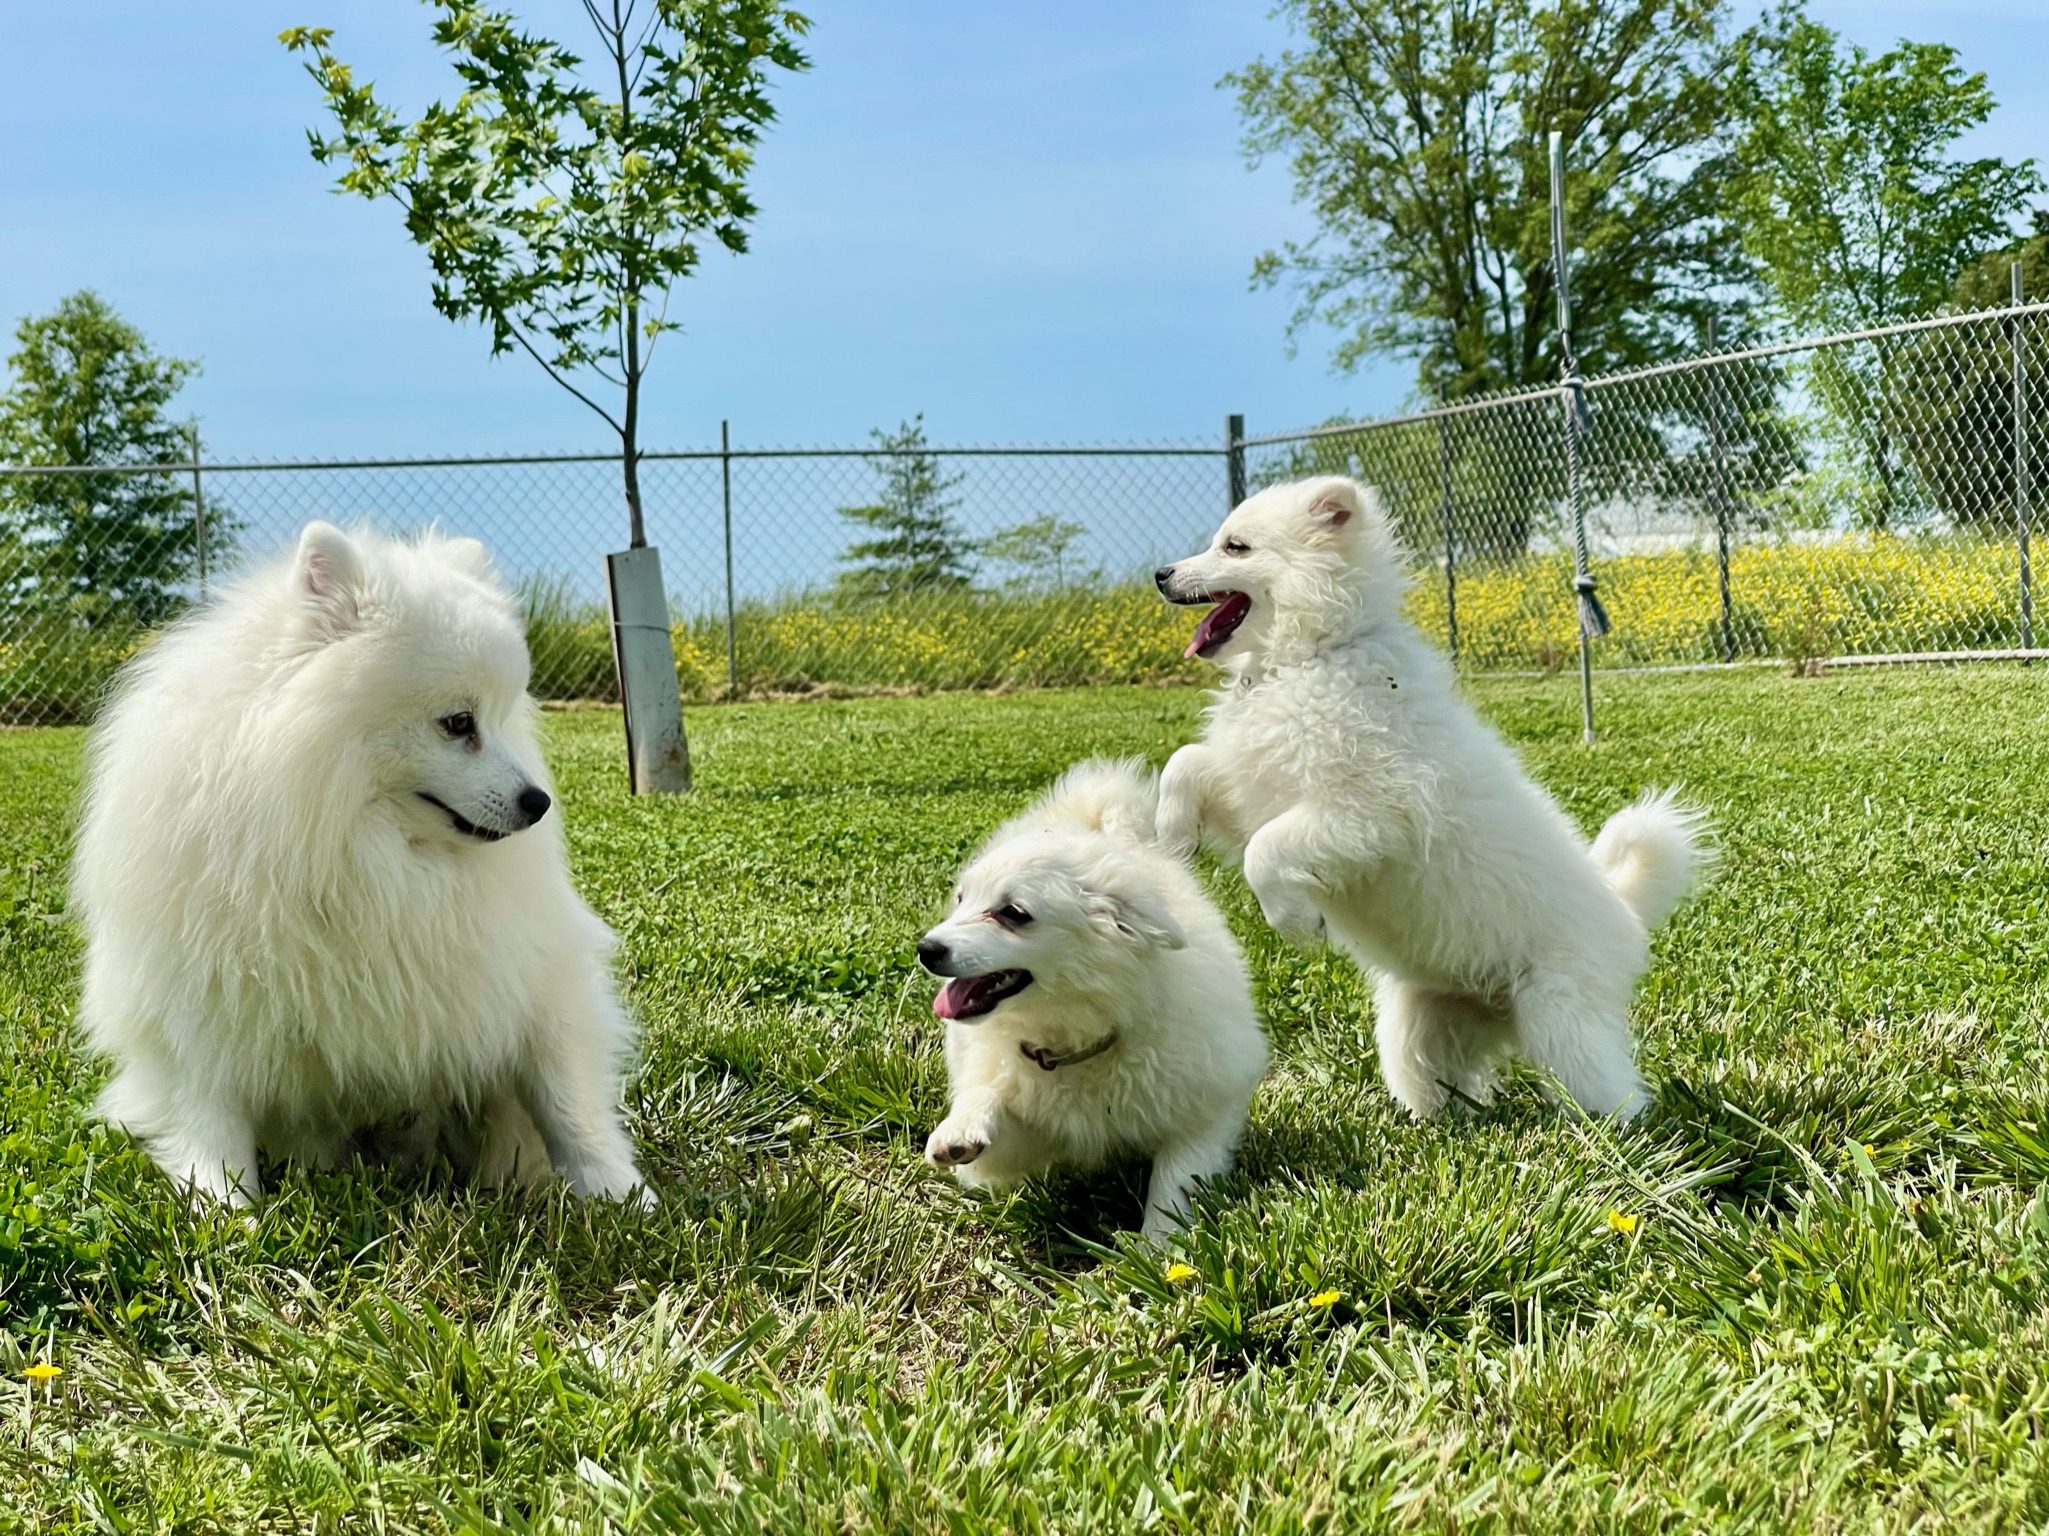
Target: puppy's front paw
208,1185
622,1184
1160,1229
1293,916
1176,828
954,1143
1177,823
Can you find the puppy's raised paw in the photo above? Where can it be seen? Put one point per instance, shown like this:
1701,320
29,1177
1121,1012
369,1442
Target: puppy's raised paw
951,1145
1177,829
1294,917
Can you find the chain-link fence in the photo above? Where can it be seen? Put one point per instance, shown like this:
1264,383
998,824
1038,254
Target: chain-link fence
1854,497
1866,497
790,570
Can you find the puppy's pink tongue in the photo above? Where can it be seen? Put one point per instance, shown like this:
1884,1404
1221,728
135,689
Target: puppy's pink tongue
952,997
1219,622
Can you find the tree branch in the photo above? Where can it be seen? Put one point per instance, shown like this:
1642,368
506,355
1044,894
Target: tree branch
518,336
661,324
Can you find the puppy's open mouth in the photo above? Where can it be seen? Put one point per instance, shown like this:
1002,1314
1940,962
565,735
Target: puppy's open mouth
1220,623
460,822
969,997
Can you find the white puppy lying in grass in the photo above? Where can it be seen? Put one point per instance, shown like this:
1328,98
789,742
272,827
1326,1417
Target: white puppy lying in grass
1097,1002
321,888
1368,800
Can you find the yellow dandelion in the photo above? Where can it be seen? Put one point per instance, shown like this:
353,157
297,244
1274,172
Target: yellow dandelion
1617,1222
1180,1274
1323,1301
42,1371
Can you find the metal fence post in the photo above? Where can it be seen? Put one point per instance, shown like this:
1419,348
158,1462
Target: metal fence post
198,509
1234,458
1722,518
2021,487
726,495
1592,619
1450,547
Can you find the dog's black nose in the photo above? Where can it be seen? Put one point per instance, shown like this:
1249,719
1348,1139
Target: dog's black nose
1162,576
534,803
931,953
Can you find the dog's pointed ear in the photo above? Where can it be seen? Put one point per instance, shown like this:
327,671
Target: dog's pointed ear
1334,501
1143,920
327,573
470,556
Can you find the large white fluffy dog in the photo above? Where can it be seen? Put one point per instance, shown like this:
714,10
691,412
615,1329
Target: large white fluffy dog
318,886
1098,1003
1365,796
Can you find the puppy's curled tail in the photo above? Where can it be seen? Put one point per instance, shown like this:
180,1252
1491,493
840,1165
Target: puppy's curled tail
1650,853
1119,796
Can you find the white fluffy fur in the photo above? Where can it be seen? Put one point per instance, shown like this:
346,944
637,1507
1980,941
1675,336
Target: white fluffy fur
284,941
1121,941
1366,799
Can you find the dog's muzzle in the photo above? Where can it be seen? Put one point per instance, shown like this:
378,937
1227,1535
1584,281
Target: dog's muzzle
533,805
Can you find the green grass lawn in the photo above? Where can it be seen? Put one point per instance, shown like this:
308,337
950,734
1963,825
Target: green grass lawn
1809,1291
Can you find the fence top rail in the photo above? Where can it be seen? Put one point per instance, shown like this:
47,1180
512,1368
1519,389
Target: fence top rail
1407,419
938,451
1960,320
700,455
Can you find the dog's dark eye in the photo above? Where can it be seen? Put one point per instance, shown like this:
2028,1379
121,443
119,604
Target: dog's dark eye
1012,915
458,725
1237,547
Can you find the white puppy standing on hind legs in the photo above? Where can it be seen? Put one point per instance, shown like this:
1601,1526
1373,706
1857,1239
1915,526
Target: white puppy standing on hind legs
320,888
1369,802
1097,1002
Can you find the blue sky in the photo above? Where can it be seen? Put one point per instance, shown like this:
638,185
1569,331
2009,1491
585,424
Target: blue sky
1030,222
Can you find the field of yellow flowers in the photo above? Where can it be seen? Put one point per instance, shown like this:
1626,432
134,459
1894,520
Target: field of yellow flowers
1854,596
1118,635
1857,595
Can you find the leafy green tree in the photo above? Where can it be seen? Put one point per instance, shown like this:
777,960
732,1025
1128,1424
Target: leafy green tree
1417,131
1037,550
918,546
1987,283
1848,194
1852,202
1959,434
557,214
88,390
